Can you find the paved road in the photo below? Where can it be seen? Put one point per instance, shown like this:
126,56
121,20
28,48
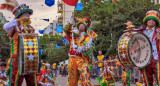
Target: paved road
62,81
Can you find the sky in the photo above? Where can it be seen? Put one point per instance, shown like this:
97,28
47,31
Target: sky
40,11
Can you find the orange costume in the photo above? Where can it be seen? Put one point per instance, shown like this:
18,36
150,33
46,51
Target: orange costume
80,44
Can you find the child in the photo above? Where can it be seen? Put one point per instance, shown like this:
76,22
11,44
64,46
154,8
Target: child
46,78
3,77
107,76
126,77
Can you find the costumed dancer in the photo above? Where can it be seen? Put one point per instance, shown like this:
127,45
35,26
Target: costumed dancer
80,43
107,76
152,31
21,24
3,76
126,77
40,80
46,77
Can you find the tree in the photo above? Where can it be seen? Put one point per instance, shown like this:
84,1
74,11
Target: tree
4,44
112,17
49,48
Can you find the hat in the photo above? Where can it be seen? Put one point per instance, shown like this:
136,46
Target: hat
42,71
152,14
129,24
22,8
86,21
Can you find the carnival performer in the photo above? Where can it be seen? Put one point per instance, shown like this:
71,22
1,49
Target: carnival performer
46,79
107,76
91,57
3,76
152,31
21,24
126,77
40,77
80,43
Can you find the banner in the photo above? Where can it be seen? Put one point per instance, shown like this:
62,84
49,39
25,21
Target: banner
79,6
41,31
59,29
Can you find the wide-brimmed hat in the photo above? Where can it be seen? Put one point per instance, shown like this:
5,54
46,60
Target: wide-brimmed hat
152,14
86,21
20,9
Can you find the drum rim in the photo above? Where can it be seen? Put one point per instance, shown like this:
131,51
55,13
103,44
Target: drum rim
38,69
20,43
118,50
130,56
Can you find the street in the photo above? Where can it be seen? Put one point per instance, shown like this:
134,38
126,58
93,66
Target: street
62,81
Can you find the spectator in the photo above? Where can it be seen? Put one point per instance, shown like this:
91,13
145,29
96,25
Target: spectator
58,69
54,69
99,60
3,76
126,77
64,70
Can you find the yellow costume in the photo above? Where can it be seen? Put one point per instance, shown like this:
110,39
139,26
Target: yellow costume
78,52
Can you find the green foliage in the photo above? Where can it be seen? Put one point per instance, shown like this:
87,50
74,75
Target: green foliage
49,48
112,17
4,44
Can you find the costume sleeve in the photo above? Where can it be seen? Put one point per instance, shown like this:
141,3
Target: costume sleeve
88,42
67,30
10,26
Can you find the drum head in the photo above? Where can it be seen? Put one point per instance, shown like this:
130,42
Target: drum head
139,50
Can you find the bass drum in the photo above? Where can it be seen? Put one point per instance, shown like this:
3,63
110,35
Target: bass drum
29,54
134,50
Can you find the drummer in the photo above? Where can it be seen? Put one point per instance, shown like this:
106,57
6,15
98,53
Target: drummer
151,30
13,28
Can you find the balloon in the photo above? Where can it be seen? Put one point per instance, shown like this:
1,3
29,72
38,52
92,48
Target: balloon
49,2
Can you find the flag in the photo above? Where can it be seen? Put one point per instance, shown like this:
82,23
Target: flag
59,29
45,19
41,31
70,2
48,29
79,6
